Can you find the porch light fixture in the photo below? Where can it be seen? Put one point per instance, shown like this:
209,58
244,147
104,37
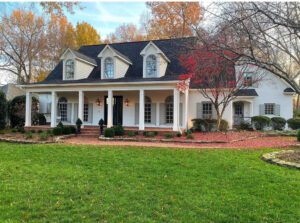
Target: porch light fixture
126,102
98,102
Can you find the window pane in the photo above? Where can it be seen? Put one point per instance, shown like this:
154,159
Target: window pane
269,109
69,67
109,68
86,113
207,110
151,65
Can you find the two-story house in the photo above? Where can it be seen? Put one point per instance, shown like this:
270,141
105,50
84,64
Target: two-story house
134,84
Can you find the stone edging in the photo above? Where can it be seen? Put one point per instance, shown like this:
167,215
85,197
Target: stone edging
272,158
58,139
158,140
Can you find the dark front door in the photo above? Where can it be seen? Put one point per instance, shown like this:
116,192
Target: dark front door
117,110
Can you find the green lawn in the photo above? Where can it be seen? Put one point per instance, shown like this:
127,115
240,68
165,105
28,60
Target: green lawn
59,183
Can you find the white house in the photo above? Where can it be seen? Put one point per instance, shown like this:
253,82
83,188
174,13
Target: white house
135,84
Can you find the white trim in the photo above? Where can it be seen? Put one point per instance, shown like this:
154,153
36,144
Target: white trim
75,57
100,55
143,52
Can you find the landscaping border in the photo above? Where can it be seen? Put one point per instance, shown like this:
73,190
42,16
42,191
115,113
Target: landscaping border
58,139
272,158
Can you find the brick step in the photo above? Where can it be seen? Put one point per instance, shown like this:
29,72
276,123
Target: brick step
89,134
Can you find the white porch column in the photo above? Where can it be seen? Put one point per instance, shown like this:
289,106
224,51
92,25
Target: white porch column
72,113
176,110
53,109
80,105
110,109
142,110
186,109
231,116
28,109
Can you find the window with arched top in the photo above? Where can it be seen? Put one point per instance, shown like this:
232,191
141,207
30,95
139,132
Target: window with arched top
63,108
169,109
69,69
151,66
147,109
108,68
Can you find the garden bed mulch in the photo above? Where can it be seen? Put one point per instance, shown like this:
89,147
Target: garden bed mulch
21,138
287,158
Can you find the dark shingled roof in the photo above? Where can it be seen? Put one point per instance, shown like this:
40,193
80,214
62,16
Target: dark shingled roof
246,92
84,57
289,90
172,48
121,54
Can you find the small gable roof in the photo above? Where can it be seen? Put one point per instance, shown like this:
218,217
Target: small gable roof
117,53
143,52
81,56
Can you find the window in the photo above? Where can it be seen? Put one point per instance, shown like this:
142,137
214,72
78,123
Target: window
69,69
86,113
269,109
248,79
147,110
169,109
207,110
108,67
151,66
63,109
238,109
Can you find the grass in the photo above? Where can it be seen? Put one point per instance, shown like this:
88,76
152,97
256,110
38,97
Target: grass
60,183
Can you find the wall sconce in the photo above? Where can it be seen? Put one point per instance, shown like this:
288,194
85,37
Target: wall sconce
98,102
126,102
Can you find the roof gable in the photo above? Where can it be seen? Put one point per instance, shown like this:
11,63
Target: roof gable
79,56
116,53
159,51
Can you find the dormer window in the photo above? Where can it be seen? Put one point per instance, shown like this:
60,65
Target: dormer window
108,68
151,66
69,66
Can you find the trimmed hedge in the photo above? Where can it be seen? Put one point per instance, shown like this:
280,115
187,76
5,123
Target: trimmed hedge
278,123
260,122
119,130
207,125
109,132
57,131
294,123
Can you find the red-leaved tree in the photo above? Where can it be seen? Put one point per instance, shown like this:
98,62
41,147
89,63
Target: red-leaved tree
212,72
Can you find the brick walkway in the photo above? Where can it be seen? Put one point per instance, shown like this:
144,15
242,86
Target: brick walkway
274,142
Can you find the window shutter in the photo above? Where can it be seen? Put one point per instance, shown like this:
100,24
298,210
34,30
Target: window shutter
75,112
153,113
136,113
69,110
57,110
277,109
90,113
199,110
180,114
162,114
262,109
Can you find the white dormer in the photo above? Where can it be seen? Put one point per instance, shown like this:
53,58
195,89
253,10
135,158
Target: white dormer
76,65
155,62
113,63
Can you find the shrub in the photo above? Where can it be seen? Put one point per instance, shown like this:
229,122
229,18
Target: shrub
149,134
3,110
72,130
169,135
223,125
155,133
57,131
260,122
119,130
244,126
66,130
298,135
16,109
49,131
60,125
33,131
43,136
21,130
278,123
131,133
294,123
39,131
188,132
14,130
28,135
42,119
178,134
189,136
109,132
198,124
201,125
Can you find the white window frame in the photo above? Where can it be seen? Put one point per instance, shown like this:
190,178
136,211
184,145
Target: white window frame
105,76
67,67
63,109
147,63
269,108
248,79
207,109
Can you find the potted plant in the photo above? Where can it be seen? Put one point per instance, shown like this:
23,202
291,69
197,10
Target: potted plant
101,125
78,125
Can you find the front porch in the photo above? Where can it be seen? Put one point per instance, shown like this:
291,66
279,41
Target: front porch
135,109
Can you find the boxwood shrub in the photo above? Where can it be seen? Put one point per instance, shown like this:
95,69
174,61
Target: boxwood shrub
260,122
57,131
119,130
278,123
109,132
294,123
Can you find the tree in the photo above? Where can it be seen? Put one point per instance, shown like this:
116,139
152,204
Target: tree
212,72
57,8
22,42
125,33
86,35
266,34
173,19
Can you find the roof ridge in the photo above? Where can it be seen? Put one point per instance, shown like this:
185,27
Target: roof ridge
139,41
